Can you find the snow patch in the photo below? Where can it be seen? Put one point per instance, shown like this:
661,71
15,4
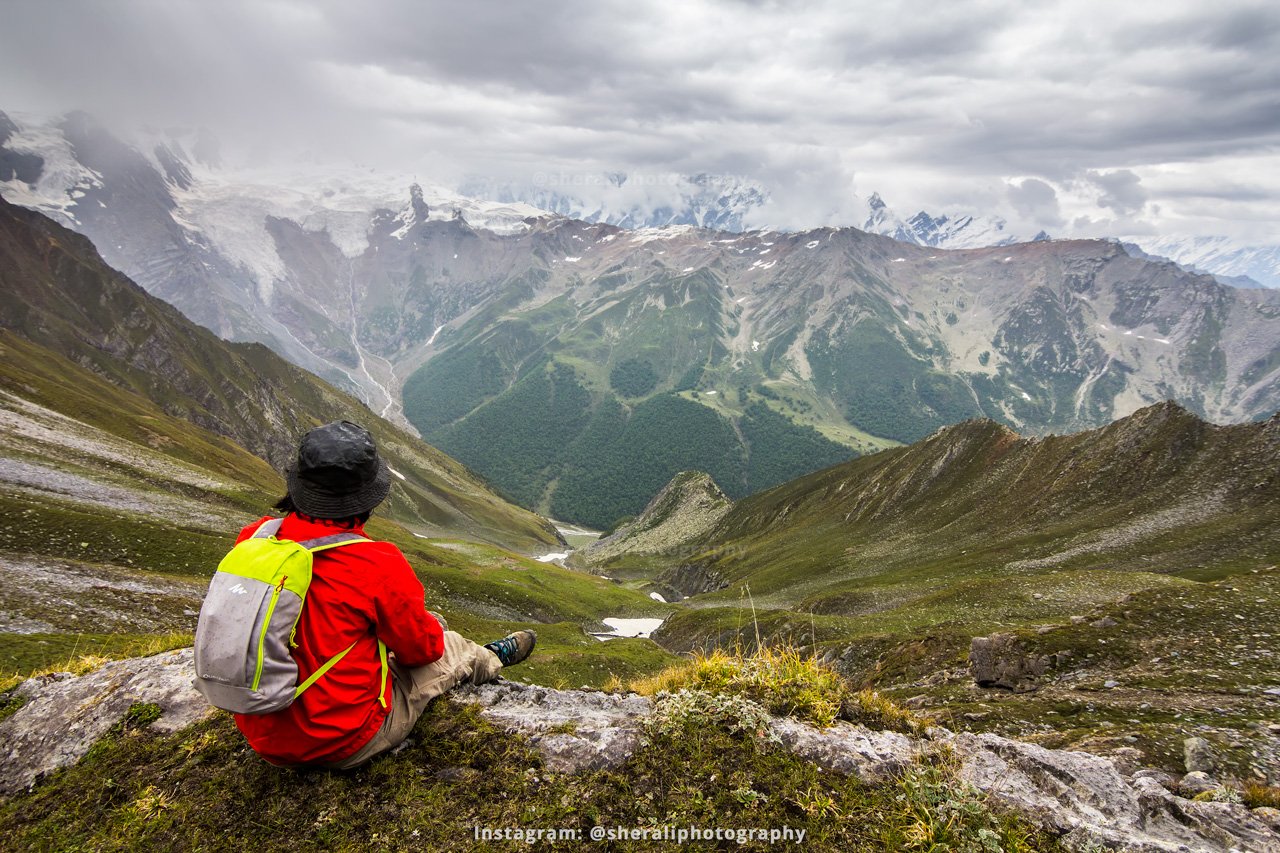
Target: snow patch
553,557
648,235
755,346
395,472
431,340
657,597
812,244
631,627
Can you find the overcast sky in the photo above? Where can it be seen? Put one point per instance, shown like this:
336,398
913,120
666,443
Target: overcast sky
1076,116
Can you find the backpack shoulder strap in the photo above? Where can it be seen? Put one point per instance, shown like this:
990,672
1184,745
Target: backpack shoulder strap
332,541
270,527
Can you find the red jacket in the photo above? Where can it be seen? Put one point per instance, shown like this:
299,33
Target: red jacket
359,594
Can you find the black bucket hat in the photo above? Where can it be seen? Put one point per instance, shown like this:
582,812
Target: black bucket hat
338,472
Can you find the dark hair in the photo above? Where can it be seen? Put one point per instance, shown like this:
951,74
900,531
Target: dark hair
286,505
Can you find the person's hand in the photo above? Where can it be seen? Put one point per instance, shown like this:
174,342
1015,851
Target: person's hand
444,626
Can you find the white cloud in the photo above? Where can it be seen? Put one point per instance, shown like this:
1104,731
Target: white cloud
1164,115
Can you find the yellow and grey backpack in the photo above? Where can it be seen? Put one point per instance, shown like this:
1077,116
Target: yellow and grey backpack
249,618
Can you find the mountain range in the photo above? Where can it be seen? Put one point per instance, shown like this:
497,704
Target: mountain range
733,203
578,366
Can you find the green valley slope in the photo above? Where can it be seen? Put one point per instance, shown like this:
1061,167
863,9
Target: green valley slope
586,381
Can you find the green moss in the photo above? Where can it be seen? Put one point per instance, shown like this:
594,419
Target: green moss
10,705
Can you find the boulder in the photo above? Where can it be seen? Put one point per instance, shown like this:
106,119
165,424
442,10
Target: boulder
1000,661
1198,755
575,730
1197,782
1166,780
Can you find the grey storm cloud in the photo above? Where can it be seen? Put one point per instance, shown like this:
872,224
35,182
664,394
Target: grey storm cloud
1036,201
1122,190
985,102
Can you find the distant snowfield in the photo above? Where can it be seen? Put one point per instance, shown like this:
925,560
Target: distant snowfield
1219,255
231,208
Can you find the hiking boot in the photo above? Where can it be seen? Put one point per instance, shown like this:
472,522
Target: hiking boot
513,648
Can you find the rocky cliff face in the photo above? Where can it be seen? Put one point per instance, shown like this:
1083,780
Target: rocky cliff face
1085,799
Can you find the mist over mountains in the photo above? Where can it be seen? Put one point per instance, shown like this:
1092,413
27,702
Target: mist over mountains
553,354
737,203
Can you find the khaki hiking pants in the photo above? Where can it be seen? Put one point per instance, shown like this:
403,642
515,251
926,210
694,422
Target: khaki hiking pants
413,689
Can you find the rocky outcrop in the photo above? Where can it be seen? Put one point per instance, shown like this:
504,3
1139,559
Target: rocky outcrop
63,715
574,730
1001,661
680,582
1083,797
686,509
